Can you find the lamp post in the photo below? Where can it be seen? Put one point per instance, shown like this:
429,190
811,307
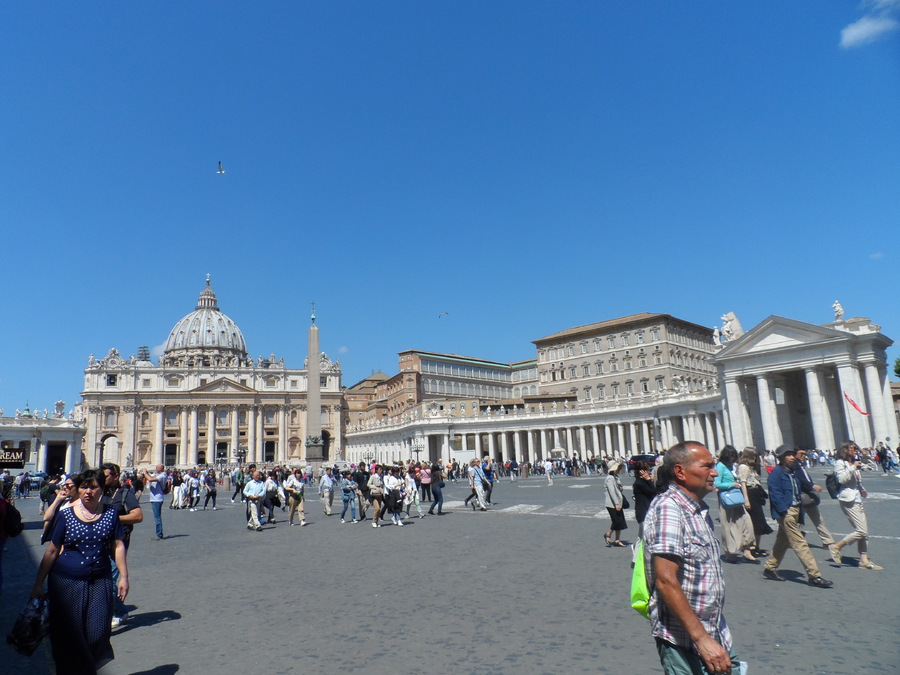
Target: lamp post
417,448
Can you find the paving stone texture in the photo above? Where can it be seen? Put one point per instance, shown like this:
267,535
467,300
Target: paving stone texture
527,587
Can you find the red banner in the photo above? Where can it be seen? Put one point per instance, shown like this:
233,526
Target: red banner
853,403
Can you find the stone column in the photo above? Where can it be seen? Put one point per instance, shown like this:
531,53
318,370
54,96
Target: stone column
607,437
556,442
41,460
281,451
504,447
235,430
711,443
582,443
720,432
492,445
857,423
190,451
129,443
620,431
259,452
771,433
210,432
818,411
874,392
182,453
478,444
645,435
570,445
737,415
595,440
158,448
73,459
530,436
445,447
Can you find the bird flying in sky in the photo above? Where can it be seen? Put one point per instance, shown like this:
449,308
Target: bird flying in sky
221,170
443,314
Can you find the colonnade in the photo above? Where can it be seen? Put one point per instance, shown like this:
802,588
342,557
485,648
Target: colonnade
535,442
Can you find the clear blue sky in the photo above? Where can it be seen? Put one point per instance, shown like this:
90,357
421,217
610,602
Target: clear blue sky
523,166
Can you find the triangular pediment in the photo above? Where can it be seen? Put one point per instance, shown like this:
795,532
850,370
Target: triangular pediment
776,333
224,385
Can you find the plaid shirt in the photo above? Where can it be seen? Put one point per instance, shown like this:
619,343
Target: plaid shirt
677,525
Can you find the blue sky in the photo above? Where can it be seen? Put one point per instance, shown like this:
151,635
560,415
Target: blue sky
523,166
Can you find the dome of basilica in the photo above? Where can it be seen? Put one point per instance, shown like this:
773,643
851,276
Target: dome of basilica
206,330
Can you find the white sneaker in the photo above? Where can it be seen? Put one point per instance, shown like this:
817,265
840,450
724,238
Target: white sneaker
193,509
343,521
355,521
116,622
302,523
399,524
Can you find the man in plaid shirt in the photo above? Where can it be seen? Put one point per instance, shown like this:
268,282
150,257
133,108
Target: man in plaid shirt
684,572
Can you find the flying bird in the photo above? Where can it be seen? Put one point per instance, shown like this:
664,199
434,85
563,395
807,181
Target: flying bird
443,314
221,170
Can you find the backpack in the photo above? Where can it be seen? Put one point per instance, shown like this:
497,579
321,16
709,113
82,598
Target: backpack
12,519
832,484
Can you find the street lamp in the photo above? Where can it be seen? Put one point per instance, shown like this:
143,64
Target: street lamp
417,448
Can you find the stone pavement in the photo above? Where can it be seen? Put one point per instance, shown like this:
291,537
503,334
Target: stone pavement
527,587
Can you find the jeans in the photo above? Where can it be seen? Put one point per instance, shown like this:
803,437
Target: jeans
351,502
118,605
157,517
438,498
210,495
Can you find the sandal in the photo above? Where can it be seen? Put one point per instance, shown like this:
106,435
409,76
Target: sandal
836,555
606,539
869,565
619,543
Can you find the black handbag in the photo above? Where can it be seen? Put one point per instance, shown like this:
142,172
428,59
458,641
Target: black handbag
625,503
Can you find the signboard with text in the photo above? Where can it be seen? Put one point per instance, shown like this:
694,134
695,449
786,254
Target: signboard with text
12,458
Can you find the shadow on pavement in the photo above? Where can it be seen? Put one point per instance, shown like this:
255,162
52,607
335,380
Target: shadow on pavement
147,619
166,669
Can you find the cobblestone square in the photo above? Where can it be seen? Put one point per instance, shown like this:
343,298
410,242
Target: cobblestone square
527,587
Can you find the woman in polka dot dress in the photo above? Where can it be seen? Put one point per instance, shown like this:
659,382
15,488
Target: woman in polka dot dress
79,578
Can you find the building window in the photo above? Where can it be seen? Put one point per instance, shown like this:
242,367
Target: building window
627,364
610,343
572,372
112,380
657,359
640,337
596,345
660,384
584,347
171,417
654,334
613,366
109,418
570,350
629,388
615,389
642,361
599,367
145,382
587,393
645,386
585,370
601,391
626,340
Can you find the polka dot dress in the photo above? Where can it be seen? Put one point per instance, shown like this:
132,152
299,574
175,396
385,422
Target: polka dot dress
81,592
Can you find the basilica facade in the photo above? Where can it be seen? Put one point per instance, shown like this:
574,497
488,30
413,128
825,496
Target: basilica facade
207,401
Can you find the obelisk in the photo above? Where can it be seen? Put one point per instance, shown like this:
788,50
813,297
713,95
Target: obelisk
314,443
